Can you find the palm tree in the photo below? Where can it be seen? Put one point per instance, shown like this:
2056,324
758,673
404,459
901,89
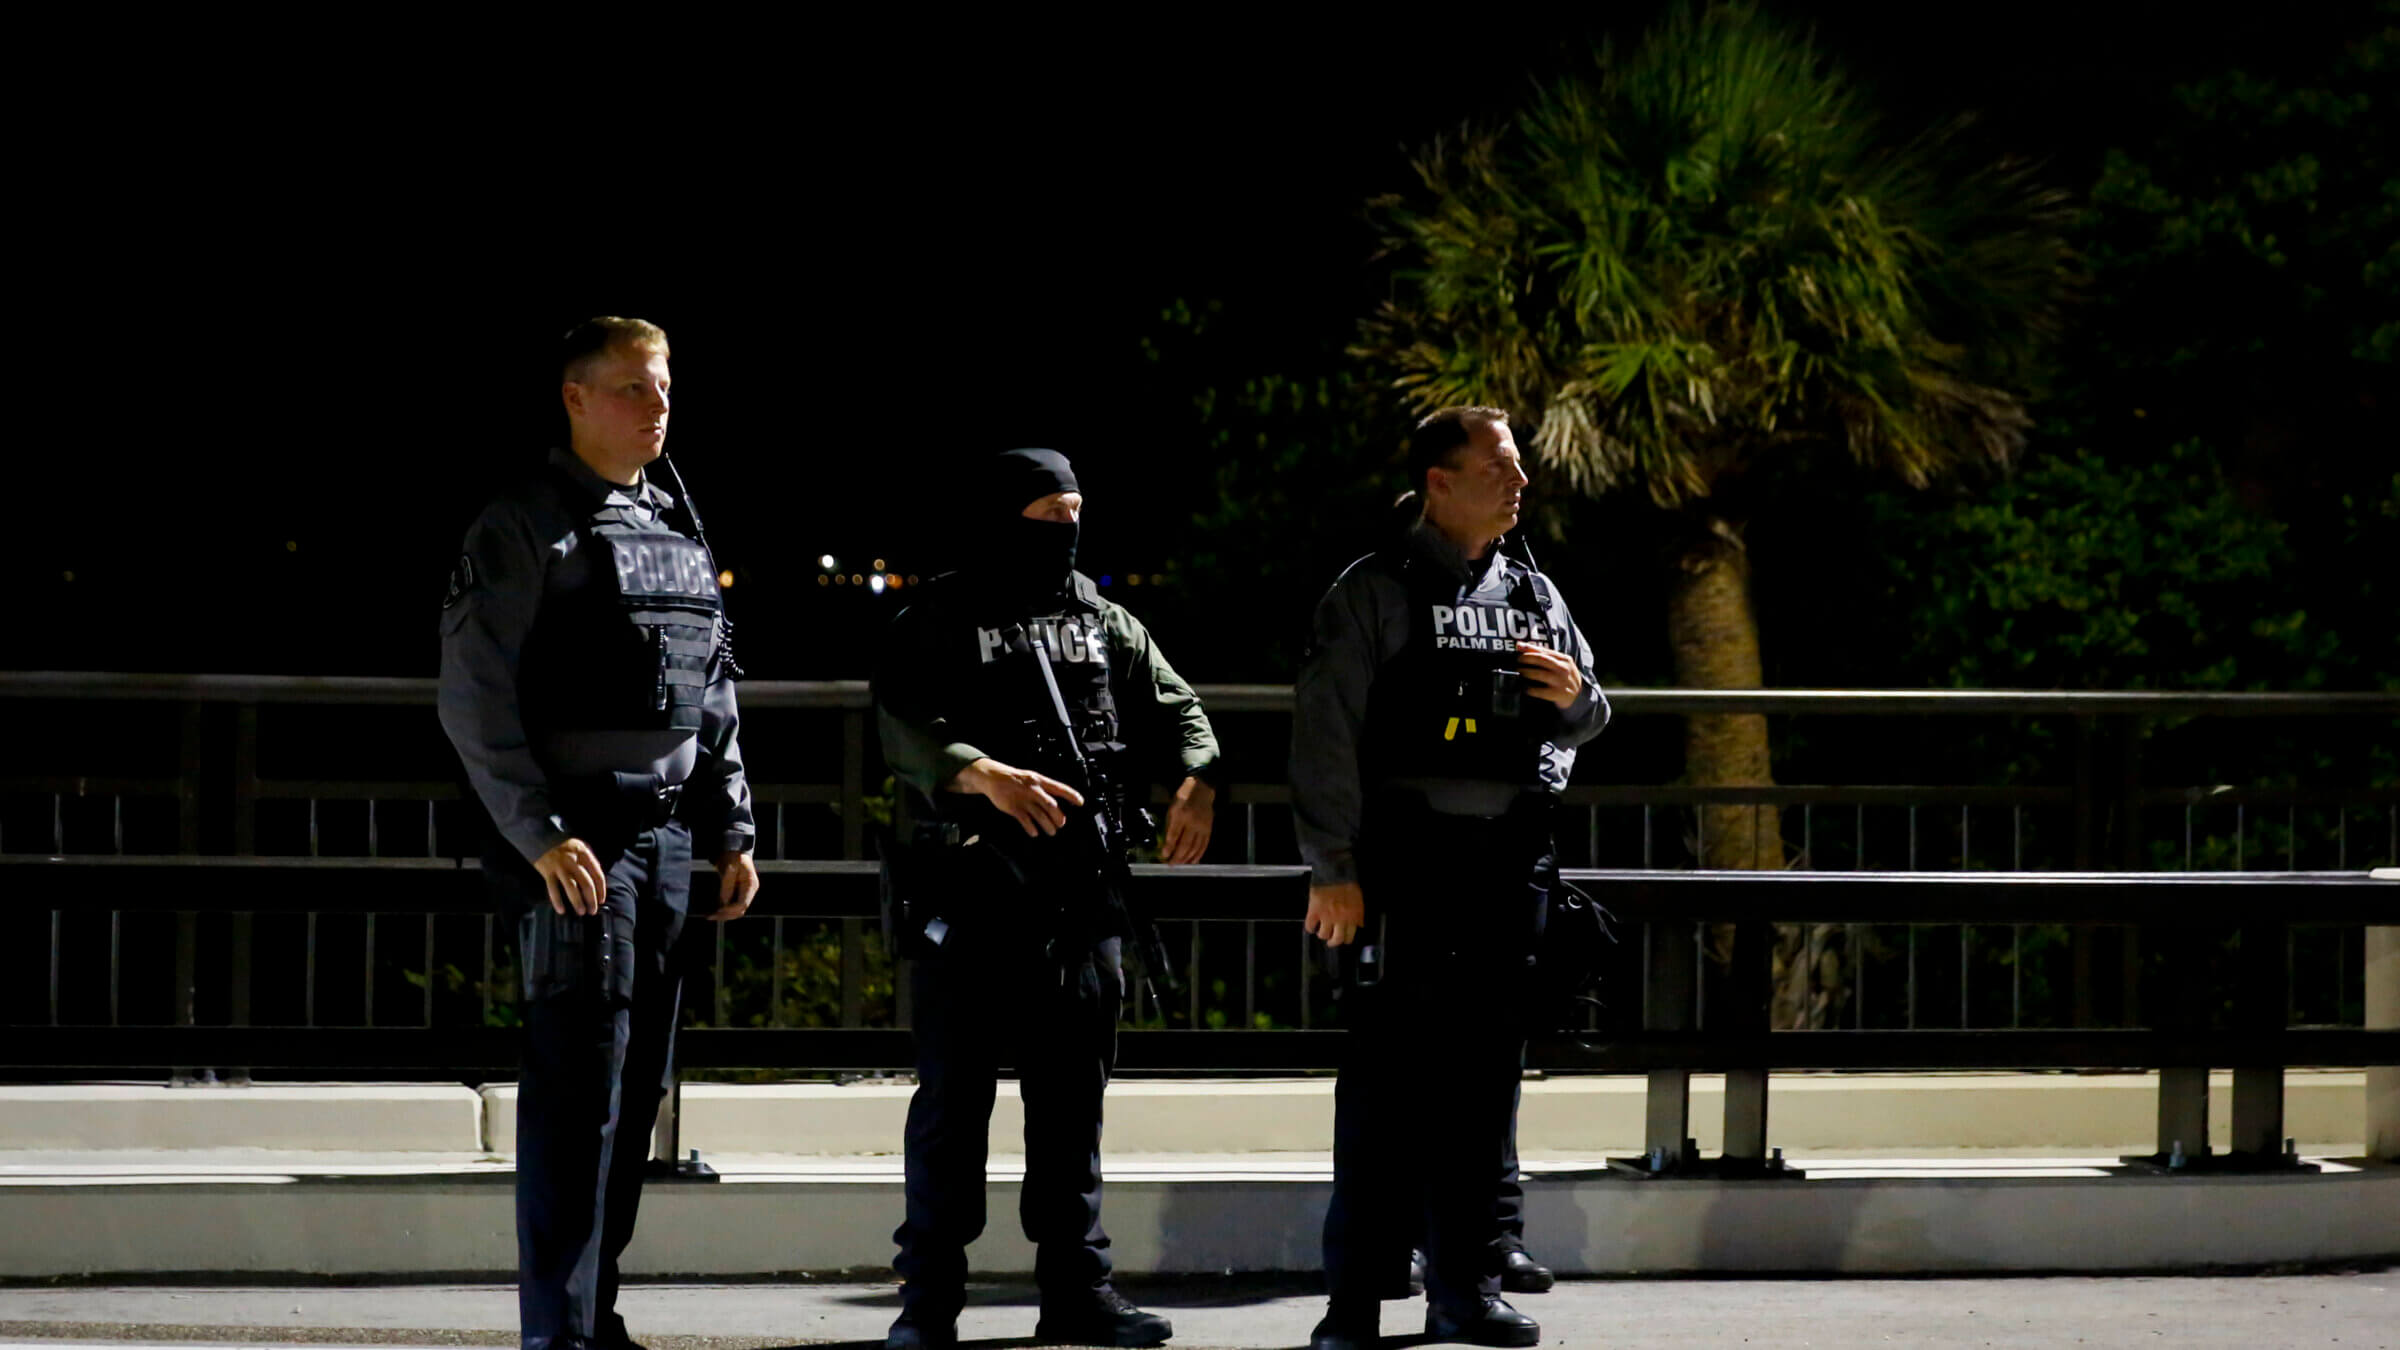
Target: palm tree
1700,260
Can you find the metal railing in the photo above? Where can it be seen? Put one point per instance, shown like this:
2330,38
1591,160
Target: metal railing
239,765
1679,1030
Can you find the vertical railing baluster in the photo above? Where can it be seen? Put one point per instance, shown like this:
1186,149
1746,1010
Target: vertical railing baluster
781,851
1249,974
718,996
312,827
775,953
1648,826
308,977
1858,839
1965,847
2291,838
2016,976
2016,838
2187,837
374,838
368,961
116,962
1591,828
1912,836
1700,836
1858,976
57,931
58,823
2341,838
429,972
1808,837
490,966
1912,977
1966,935
433,837
2241,841
1308,959
116,823
1250,832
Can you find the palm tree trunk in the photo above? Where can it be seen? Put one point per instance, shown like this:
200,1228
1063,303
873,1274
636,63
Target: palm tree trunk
1713,633
1714,636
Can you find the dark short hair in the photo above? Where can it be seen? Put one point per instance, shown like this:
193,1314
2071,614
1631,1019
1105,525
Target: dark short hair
1441,434
593,338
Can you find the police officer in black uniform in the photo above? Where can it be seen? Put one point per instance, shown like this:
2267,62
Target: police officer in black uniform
1436,721
1020,710
588,688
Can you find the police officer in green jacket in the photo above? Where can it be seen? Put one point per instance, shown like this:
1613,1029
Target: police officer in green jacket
1026,718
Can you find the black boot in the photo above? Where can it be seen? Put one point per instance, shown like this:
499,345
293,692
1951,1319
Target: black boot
922,1329
1346,1329
1099,1316
1521,1274
1487,1322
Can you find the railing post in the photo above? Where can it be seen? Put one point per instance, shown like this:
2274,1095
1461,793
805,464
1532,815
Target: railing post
2261,1006
1672,958
2183,1089
1749,997
854,784
2383,1012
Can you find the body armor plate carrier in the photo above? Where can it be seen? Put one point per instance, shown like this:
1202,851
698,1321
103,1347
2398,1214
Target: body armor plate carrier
632,649
1451,704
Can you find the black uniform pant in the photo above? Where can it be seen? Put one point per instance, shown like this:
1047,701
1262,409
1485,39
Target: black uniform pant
1425,1103
600,1015
976,1010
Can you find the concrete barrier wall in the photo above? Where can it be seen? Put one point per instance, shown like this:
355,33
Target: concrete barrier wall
1562,1117
354,1118
1887,1226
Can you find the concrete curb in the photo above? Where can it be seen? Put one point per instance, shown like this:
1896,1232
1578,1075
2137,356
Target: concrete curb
1580,1223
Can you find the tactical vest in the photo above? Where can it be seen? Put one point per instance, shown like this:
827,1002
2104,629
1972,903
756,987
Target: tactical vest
1000,705
1451,704
630,649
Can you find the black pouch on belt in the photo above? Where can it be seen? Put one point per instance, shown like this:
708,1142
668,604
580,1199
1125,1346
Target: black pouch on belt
569,954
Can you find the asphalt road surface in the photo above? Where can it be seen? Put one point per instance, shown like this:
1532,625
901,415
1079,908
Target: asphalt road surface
2357,1311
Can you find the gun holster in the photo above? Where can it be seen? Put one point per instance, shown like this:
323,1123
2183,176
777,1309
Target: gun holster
574,954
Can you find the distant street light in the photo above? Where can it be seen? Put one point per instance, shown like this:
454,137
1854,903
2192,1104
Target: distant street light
826,562
875,583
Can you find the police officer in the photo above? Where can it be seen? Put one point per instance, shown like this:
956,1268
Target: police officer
588,689
1002,893
1436,722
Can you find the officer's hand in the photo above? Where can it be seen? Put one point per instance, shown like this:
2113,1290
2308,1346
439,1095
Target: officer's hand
1554,676
1031,799
1336,912
737,884
572,873
1190,820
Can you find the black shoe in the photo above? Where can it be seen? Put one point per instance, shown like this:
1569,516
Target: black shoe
1342,1331
1490,1322
1521,1274
1099,1317
917,1330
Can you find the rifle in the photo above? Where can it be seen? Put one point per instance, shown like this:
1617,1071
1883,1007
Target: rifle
1102,832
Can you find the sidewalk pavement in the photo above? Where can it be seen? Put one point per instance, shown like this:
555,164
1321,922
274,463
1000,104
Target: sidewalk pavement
2357,1311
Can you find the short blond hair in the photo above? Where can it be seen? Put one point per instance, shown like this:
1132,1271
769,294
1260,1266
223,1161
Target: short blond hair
592,339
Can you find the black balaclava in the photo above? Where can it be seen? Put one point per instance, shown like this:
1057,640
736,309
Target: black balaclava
1026,560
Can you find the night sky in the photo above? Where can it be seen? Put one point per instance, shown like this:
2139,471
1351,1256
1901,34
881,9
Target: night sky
290,318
